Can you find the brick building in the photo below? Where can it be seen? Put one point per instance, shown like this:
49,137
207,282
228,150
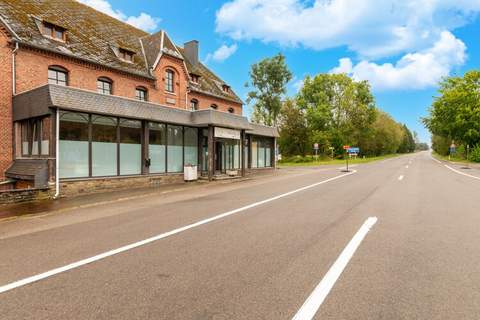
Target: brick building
87,100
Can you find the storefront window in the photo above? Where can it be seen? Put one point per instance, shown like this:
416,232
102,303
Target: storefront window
130,147
104,146
236,155
157,147
261,154
25,139
73,145
35,135
45,136
191,146
254,153
175,149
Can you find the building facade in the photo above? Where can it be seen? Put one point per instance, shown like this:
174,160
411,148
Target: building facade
86,99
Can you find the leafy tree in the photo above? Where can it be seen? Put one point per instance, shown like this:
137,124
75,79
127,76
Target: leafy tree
269,78
340,107
455,114
294,133
408,143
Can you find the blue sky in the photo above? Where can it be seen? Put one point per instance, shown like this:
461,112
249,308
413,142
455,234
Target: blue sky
403,47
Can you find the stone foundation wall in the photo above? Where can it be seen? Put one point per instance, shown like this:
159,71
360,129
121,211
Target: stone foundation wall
70,188
23,195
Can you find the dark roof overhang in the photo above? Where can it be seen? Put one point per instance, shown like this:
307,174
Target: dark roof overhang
40,102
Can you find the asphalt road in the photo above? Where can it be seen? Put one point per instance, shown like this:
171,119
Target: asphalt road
260,249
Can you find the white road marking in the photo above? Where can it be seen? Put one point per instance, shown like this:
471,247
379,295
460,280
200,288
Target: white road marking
400,178
316,298
435,160
110,253
462,173
406,167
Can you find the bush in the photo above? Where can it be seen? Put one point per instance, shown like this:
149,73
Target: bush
474,154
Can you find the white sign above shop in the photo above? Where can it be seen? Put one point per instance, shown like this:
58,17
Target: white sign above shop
227,133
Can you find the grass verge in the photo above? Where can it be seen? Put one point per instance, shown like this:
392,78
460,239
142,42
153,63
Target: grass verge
322,162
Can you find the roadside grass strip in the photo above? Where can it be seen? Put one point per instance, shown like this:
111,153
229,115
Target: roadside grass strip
321,291
110,253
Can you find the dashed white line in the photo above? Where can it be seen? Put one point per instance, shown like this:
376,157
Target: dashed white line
462,173
110,253
400,178
406,167
316,298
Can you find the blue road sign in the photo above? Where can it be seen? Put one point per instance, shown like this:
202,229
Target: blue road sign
353,150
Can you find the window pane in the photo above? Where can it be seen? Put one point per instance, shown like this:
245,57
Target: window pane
175,149
261,154
104,146
236,155
59,34
156,148
254,153
73,145
268,154
191,146
169,81
48,29
130,147
45,136
25,139
36,136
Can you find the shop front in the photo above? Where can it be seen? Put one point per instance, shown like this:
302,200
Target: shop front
86,136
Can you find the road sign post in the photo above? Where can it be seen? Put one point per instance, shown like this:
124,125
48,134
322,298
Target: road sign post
315,147
346,158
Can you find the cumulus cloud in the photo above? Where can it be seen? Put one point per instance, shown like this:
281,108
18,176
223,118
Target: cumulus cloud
417,70
222,53
371,28
143,21
417,30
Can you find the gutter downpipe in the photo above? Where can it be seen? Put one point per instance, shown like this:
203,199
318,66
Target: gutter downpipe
57,157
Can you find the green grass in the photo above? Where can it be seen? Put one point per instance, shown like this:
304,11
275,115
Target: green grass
453,158
322,162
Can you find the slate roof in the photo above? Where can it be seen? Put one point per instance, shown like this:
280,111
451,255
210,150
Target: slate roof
39,101
94,37
209,83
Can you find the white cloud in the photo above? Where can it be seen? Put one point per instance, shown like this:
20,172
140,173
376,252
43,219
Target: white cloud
370,28
143,21
417,70
222,53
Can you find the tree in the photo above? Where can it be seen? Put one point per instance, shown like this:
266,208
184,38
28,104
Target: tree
269,78
408,143
455,114
339,106
294,133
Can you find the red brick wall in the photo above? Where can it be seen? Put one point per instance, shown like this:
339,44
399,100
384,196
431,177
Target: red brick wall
177,99
6,140
205,101
32,72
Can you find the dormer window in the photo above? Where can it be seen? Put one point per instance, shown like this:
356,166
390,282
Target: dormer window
125,55
225,88
194,77
52,31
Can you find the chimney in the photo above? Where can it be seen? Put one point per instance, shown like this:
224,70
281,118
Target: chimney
191,51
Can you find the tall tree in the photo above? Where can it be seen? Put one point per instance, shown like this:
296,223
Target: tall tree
455,114
294,133
269,79
338,105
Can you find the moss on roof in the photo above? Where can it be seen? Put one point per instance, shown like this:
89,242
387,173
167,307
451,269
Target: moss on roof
94,36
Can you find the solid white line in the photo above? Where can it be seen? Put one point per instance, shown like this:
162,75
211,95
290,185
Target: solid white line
400,178
104,255
462,173
435,160
316,298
